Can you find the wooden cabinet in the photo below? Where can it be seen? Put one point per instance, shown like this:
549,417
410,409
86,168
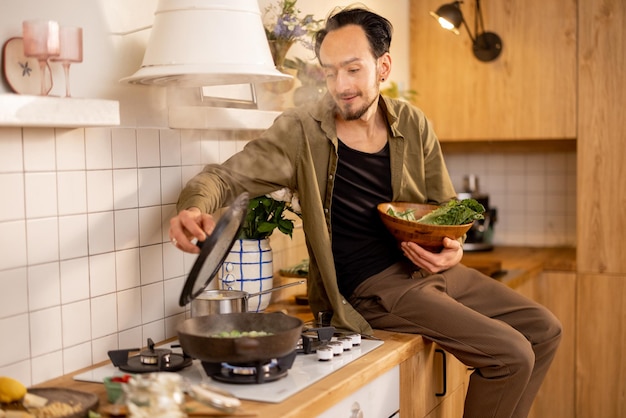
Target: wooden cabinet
433,384
528,93
557,291
601,224
452,407
602,138
600,342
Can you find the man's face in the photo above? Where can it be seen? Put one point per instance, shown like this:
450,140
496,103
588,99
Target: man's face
352,73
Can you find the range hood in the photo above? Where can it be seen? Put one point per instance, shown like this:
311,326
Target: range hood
205,43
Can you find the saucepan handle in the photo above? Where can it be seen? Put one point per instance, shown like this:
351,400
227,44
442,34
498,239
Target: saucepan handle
262,292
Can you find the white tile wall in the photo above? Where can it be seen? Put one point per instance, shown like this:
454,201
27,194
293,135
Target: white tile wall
534,194
86,265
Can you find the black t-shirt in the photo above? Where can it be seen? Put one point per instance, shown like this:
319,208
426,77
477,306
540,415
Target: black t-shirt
362,246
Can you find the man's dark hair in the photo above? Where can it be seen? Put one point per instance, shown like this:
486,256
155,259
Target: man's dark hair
377,29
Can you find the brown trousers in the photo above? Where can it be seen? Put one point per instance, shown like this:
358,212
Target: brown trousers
509,339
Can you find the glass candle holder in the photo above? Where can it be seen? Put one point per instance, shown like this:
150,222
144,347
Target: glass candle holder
41,41
71,42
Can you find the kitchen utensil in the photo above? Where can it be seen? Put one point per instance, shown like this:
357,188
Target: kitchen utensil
427,236
199,336
214,397
228,301
214,250
23,74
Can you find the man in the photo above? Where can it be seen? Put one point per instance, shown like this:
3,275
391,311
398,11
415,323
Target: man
344,155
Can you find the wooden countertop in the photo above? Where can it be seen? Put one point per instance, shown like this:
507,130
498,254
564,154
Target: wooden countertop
396,349
527,258
527,262
309,402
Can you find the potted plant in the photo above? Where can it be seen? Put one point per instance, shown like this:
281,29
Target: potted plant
249,264
266,213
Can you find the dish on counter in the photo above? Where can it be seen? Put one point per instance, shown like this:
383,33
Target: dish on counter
22,73
61,403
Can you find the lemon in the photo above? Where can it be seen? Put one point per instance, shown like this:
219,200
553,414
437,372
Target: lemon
11,390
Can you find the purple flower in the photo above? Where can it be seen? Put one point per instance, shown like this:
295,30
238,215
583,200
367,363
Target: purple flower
282,23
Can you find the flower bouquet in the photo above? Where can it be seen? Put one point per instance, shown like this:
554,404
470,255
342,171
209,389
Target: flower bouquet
284,27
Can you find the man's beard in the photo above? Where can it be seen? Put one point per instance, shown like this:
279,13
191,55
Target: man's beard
349,114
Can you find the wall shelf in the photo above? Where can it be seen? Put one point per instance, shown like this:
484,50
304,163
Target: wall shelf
57,112
220,118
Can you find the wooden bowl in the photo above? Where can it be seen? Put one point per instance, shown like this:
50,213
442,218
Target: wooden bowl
427,236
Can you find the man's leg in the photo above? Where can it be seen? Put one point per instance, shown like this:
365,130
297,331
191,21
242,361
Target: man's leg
509,339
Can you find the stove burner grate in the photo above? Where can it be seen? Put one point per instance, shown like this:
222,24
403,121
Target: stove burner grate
150,360
176,363
252,372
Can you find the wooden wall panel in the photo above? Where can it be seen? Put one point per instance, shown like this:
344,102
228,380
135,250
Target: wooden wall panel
529,92
601,154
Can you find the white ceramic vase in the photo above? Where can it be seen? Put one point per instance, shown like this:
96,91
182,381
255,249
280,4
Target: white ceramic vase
249,267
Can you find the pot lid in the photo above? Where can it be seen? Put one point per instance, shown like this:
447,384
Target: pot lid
215,249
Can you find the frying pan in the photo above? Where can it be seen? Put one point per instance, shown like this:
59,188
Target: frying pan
199,337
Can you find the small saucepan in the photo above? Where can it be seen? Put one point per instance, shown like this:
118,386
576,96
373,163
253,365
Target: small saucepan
227,301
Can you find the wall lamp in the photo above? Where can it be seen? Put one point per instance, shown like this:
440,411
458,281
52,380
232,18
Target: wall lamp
487,46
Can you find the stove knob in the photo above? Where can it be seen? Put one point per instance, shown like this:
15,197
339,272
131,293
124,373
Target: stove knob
356,339
337,347
324,353
347,343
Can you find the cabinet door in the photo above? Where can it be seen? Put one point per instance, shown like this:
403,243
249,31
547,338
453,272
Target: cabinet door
428,379
452,406
557,292
379,398
600,342
528,92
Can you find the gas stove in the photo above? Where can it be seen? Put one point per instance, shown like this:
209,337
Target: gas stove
306,369
150,360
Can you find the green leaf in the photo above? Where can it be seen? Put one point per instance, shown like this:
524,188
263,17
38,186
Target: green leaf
455,212
264,215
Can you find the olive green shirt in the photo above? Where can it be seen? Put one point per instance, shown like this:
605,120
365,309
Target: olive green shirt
299,151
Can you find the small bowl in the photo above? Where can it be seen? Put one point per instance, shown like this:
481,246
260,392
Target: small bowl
427,236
